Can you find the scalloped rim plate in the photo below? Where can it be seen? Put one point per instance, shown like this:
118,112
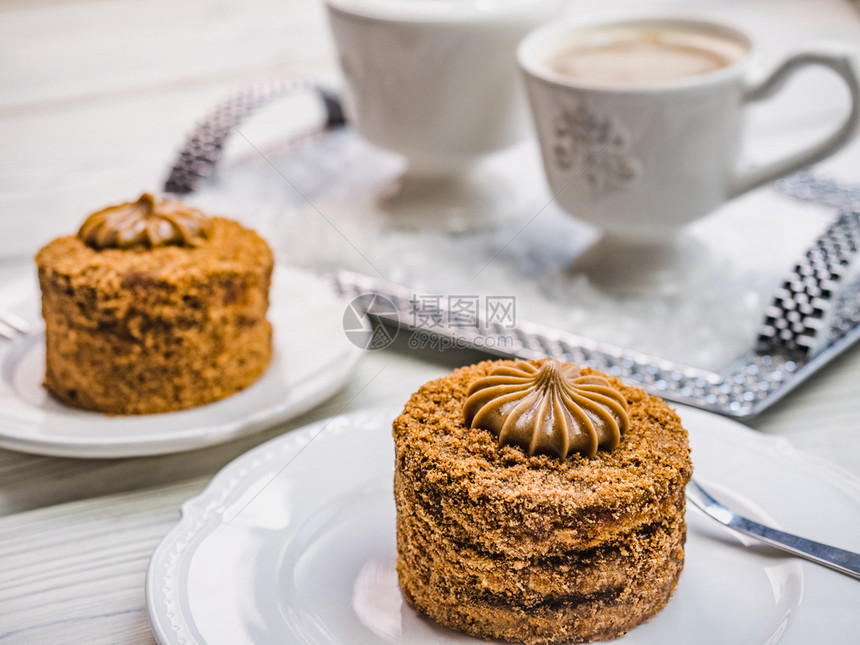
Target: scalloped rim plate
312,359
294,542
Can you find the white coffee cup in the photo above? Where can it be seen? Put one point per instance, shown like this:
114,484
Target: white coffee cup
437,82
639,122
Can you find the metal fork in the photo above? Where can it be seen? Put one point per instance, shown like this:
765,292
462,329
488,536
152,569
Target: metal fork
12,326
841,560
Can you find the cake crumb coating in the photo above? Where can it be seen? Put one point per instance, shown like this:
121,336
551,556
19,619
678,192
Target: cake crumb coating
136,331
499,544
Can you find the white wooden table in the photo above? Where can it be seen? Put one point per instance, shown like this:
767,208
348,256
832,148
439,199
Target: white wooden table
95,97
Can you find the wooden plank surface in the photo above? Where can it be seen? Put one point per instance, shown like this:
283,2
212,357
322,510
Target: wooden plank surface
75,573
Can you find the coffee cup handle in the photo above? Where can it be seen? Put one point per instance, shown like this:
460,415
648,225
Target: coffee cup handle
840,62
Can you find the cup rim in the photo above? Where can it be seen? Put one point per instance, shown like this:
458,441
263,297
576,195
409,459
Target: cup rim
392,12
527,58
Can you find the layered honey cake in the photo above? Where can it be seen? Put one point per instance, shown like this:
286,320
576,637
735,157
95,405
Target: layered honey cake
153,307
539,502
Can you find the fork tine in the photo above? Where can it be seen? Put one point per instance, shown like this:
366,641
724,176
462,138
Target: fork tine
7,332
706,496
12,325
703,500
15,322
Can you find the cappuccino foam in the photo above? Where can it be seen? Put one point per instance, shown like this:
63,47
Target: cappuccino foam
643,56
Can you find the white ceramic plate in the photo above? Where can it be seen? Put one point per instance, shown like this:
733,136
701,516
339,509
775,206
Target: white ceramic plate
312,359
294,543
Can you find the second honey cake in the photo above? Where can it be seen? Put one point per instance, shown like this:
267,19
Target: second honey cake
154,307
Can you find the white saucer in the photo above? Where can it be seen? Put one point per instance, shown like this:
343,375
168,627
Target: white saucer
312,360
293,542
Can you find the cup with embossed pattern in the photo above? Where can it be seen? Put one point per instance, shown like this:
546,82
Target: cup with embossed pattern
640,121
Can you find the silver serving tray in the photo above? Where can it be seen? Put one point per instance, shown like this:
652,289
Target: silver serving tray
813,315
